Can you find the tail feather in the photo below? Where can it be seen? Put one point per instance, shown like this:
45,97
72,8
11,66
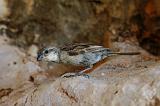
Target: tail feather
125,53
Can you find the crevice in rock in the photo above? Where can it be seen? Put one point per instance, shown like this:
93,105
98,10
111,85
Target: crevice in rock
156,102
68,95
15,104
115,92
5,92
32,94
26,101
31,78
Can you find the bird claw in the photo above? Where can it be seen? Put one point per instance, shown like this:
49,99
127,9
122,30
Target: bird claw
68,75
75,75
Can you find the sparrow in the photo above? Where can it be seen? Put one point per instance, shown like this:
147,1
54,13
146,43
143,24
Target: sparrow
79,54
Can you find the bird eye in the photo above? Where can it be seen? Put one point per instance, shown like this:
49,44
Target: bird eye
46,52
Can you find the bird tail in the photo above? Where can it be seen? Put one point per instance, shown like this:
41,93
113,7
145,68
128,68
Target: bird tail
124,53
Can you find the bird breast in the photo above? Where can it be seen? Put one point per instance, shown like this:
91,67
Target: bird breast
85,59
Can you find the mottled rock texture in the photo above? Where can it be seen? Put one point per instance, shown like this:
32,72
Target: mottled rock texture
57,22
120,81
138,88
15,67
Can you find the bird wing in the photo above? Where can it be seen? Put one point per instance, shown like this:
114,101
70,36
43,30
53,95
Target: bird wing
80,48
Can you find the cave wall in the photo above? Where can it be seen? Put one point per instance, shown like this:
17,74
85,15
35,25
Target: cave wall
55,22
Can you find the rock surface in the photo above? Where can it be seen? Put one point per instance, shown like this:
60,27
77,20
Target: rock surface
14,66
121,81
140,89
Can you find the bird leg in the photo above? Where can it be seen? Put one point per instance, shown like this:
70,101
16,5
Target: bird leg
81,73
86,69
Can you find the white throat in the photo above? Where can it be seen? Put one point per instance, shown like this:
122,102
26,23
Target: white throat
53,57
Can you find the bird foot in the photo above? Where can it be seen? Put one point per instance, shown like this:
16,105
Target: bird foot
68,75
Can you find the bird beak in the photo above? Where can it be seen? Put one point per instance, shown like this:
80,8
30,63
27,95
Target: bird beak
39,57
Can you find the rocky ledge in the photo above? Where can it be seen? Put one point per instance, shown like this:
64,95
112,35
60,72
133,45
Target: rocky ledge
120,81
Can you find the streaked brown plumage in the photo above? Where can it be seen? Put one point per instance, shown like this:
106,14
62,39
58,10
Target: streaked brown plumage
78,54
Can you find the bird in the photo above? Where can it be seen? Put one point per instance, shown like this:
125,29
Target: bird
78,54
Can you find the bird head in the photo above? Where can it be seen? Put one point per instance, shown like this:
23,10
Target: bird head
49,54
